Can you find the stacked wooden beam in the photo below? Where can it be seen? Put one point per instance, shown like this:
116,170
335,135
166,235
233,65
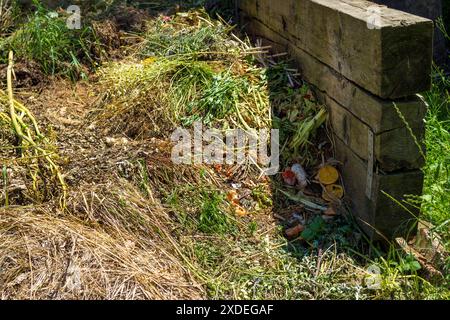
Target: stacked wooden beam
431,9
367,64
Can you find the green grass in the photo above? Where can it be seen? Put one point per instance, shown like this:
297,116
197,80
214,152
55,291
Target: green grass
436,198
48,41
218,99
246,258
201,209
212,219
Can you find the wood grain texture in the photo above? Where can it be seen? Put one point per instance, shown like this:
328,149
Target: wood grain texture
391,61
394,149
379,216
378,113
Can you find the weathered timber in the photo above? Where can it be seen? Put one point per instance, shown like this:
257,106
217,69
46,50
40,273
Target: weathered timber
430,9
378,113
391,60
360,74
393,149
377,213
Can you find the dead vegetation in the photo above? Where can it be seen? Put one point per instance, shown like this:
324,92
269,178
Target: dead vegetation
32,148
110,243
136,226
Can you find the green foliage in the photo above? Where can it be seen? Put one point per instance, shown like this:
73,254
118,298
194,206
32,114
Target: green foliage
219,87
217,100
260,195
314,229
201,208
297,115
436,198
47,40
212,219
409,264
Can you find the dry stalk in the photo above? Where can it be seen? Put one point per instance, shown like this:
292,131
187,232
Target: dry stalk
25,134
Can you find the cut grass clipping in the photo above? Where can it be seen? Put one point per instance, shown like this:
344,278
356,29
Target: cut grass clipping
174,85
32,148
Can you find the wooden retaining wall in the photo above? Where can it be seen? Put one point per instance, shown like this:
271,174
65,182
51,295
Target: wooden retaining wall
361,65
431,9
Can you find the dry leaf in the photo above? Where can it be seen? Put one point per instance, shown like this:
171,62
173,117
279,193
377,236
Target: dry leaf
232,197
229,172
294,231
149,61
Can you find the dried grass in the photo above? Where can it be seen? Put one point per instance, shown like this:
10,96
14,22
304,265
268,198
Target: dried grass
111,244
6,15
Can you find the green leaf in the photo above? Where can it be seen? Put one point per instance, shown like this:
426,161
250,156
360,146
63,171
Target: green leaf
314,229
414,266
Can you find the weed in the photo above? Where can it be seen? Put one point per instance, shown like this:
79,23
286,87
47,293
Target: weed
212,219
314,229
32,147
201,208
57,49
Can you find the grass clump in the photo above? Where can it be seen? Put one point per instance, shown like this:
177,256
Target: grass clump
46,39
435,202
436,199
436,196
203,210
212,219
